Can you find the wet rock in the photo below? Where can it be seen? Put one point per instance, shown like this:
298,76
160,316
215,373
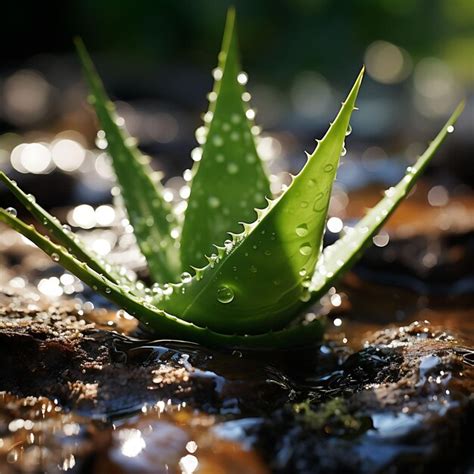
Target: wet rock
78,393
402,404
179,441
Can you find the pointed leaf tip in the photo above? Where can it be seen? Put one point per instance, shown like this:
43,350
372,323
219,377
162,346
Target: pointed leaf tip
231,15
340,256
229,179
148,211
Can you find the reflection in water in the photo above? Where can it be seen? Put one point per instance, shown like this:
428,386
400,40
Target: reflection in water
132,442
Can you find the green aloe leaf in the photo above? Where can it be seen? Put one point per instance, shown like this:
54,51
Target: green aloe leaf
339,257
163,324
229,180
59,233
149,214
257,281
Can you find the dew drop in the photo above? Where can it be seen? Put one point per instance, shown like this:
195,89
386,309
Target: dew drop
225,294
349,130
232,168
250,114
305,296
328,168
208,116
305,249
242,78
302,230
217,140
235,118
130,141
55,257
246,96
343,151
213,202
217,74
302,272
186,277
318,205
31,198
450,129
12,211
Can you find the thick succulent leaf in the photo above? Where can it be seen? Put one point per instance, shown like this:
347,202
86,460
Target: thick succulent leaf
229,180
58,232
161,323
149,214
340,256
257,282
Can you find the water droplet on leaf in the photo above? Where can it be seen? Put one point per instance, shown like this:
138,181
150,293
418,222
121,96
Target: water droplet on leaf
318,205
242,78
302,230
217,140
217,73
305,249
186,277
12,211
213,202
225,294
228,245
232,168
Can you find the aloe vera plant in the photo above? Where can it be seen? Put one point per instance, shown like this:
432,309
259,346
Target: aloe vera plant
245,264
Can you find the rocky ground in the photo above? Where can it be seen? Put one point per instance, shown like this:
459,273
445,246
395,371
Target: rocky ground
78,396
